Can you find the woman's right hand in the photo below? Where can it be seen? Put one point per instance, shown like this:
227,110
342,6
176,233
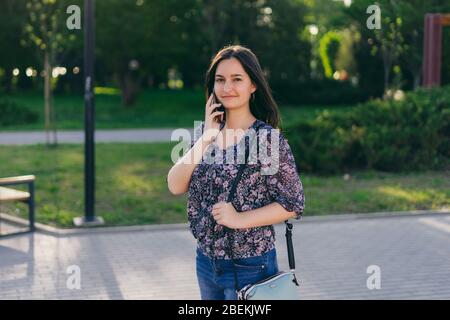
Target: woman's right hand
212,126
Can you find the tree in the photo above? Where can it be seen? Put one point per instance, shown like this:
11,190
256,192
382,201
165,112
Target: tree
47,32
374,49
399,42
273,29
328,48
136,39
14,54
413,14
390,43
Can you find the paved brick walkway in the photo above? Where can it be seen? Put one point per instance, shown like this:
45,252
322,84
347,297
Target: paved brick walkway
413,253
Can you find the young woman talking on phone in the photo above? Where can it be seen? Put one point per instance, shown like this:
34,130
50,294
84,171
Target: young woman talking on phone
238,98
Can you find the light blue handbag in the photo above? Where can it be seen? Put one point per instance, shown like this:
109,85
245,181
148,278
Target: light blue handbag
281,286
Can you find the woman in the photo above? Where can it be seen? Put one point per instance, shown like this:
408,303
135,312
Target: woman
236,240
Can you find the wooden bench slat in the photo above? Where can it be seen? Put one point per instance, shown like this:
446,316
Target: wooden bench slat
19,179
8,194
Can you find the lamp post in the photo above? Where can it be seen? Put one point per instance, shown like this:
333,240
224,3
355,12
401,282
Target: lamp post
89,218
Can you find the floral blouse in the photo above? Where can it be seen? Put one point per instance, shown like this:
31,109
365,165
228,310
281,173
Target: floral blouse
211,183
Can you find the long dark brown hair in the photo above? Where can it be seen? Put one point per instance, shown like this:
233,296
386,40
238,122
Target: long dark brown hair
263,106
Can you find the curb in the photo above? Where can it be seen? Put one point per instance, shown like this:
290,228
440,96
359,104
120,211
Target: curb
374,215
60,232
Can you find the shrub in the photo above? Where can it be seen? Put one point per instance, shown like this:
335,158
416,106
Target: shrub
14,114
412,134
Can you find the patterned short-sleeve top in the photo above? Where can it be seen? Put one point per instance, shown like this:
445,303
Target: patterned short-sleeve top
211,183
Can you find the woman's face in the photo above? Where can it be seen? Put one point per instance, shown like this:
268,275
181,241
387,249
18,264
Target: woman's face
232,84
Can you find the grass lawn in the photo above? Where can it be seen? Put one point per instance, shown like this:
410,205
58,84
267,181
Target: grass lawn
153,109
131,186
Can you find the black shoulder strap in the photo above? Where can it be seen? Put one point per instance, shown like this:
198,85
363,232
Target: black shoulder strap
242,166
238,177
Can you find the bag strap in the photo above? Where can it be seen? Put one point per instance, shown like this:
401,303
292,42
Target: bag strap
289,225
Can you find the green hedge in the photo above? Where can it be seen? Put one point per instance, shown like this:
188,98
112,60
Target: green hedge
13,114
412,134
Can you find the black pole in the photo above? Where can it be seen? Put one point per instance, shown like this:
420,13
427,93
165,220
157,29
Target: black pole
89,218
89,43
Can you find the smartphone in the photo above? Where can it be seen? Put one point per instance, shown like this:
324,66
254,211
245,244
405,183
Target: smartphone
221,108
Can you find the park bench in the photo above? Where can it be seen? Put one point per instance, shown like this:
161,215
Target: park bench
8,194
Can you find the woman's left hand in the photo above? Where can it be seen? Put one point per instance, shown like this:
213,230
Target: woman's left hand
226,215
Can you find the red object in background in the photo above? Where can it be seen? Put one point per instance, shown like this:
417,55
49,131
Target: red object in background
432,48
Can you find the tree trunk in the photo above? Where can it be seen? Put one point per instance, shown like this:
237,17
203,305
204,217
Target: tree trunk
8,80
50,129
417,80
386,80
129,88
53,118
47,96
387,63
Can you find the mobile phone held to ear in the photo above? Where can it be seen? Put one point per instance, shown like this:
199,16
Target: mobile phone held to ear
221,108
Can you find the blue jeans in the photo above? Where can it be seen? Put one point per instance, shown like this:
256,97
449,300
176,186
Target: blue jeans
216,277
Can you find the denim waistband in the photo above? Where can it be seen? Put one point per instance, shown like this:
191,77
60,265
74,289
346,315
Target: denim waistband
224,263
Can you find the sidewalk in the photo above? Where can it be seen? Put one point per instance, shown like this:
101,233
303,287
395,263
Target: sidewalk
77,137
332,259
